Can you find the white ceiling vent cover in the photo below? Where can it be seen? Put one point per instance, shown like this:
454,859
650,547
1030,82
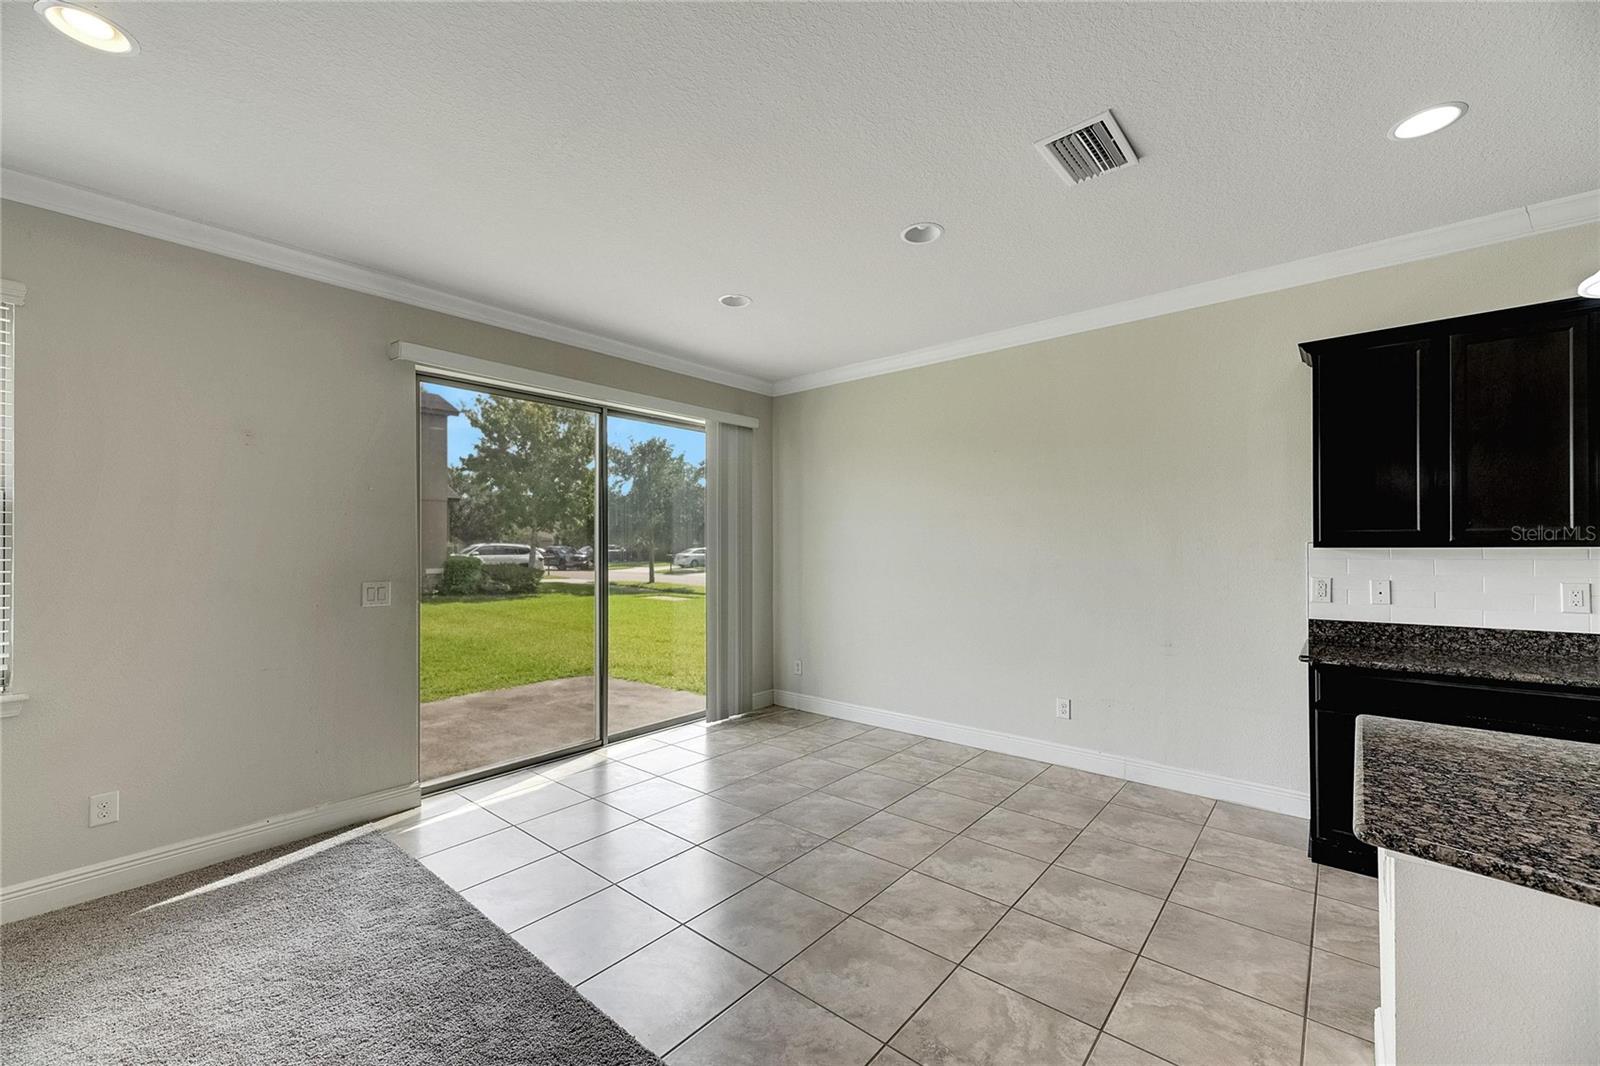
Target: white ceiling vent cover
1088,149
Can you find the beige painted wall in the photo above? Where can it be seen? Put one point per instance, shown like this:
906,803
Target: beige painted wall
1119,517
211,457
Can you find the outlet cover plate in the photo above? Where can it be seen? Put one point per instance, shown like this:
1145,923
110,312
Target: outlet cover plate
1380,591
1575,597
376,593
105,808
1322,590
1063,707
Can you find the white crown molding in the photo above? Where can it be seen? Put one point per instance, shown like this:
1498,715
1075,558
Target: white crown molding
1197,782
1456,237
1392,251
130,871
108,210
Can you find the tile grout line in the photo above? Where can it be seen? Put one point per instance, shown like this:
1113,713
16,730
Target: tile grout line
773,975
1305,1014
1166,901
918,786
959,964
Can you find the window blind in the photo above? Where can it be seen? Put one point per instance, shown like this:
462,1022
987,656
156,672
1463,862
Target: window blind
8,315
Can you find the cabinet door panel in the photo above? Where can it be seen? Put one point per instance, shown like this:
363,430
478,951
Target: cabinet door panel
1519,433
1372,422
1333,768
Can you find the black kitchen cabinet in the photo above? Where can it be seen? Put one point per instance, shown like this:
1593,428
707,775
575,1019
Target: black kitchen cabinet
1340,693
1465,432
1372,421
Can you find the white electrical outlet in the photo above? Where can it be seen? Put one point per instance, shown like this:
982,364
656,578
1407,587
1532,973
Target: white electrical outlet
1063,707
799,668
376,593
105,808
1575,597
1380,590
1322,590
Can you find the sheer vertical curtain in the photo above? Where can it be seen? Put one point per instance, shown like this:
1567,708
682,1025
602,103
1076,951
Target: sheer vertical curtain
730,571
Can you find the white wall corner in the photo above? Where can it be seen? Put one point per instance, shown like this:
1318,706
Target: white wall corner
1198,782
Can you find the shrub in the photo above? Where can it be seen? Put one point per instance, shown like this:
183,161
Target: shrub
522,580
462,575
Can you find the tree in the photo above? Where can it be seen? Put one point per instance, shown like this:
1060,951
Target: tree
532,470
655,494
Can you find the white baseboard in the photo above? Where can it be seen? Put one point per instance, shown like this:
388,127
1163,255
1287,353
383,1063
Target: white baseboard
117,875
761,699
1198,782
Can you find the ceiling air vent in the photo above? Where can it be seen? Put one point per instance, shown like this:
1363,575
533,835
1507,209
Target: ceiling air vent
1088,149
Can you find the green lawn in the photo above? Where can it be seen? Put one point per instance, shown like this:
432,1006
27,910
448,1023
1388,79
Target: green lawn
472,644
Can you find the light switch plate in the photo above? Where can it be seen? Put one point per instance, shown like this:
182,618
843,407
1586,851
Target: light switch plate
376,593
1322,590
1575,597
1380,591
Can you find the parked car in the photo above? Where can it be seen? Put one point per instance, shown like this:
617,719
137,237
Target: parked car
583,558
557,557
615,553
505,554
690,559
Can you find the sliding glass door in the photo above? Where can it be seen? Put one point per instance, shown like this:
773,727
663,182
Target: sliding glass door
655,573
520,659
507,511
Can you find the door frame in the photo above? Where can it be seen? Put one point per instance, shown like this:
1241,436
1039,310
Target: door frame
604,669
602,575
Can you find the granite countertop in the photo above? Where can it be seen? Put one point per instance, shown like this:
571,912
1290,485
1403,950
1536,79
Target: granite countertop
1518,808
1456,651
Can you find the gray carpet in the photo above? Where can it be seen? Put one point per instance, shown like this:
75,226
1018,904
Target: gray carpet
346,951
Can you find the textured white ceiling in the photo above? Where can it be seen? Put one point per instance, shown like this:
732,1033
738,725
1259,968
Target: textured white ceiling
617,167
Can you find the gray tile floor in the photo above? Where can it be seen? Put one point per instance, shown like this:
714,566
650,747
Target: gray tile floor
789,888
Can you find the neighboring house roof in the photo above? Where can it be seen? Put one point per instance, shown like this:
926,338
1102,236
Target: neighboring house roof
434,404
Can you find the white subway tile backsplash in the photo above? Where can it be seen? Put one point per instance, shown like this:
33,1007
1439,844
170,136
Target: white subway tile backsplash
1536,553
1554,623
1447,564
1502,588
1368,566
1567,567
1509,601
1550,603
1344,612
1470,598
1435,617
1409,592
1535,586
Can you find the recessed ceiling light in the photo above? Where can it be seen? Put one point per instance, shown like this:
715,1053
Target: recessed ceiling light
86,27
1590,286
922,233
733,299
1428,120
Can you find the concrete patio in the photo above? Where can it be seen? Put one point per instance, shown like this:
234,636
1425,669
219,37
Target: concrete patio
485,728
